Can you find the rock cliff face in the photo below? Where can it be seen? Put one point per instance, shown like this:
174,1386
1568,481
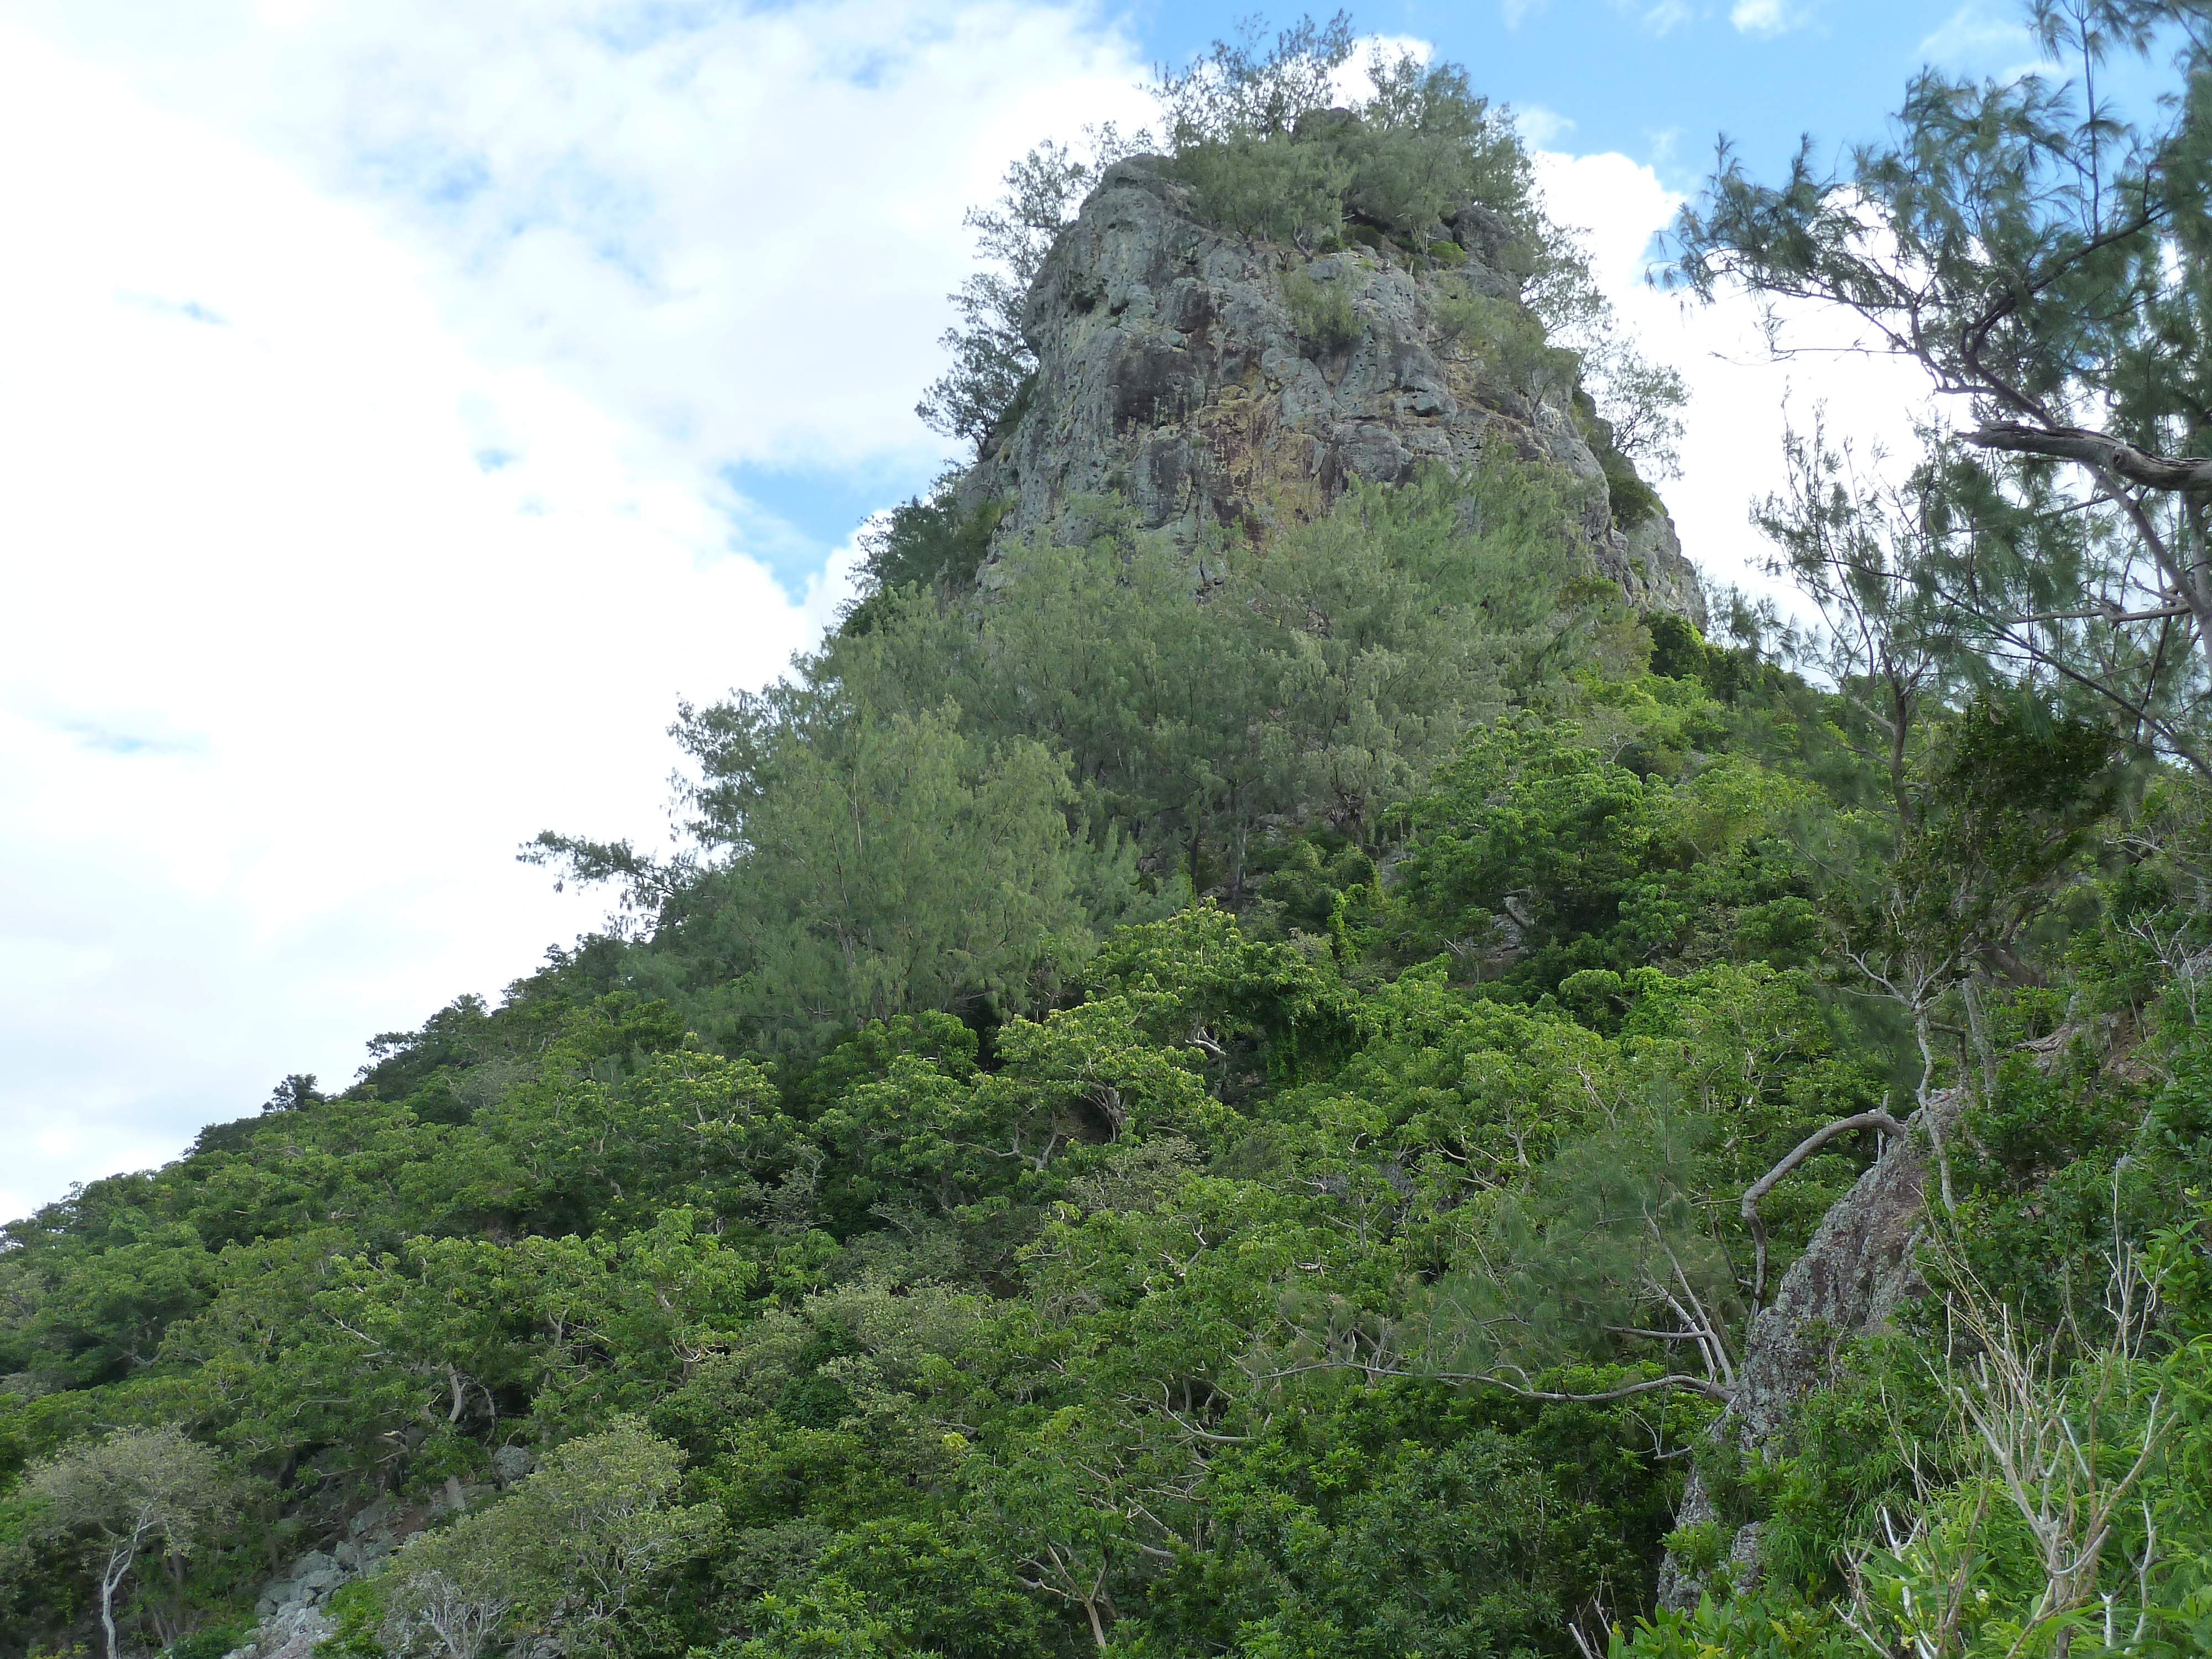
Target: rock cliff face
1174,370
1853,1275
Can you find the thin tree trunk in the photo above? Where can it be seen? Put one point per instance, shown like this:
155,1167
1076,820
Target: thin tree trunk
1922,1095
118,1568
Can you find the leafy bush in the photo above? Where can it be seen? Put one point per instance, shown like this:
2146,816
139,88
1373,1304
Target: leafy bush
1275,188
1632,500
926,543
1397,164
1762,1626
1505,339
1322,312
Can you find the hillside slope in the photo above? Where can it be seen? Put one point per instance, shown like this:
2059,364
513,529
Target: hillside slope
1264,1053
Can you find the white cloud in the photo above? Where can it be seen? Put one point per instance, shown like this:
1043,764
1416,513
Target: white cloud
1732,449
1540,126
1978,35
636,194
353,532
1768,17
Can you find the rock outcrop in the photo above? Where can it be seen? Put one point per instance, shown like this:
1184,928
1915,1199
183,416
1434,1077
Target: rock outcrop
291,1613
1859,1267
1176,371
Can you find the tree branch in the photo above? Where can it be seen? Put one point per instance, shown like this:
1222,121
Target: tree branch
2111,613
1878,1119
1704,1385
2074,443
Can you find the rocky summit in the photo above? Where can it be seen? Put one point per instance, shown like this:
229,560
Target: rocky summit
1217,381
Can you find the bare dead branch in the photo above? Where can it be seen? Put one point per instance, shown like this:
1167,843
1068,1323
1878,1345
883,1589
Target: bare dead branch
1878,1119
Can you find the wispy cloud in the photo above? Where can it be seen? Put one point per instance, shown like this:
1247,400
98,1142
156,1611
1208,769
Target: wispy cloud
125,741
191,310
1979,36
1541,127
1768,18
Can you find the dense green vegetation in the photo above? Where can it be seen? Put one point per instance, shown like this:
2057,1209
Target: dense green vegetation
1236,1100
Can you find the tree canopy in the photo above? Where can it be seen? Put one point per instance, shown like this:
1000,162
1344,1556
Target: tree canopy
2041,252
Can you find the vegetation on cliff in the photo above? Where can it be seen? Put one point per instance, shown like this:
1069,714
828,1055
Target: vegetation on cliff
1263,1097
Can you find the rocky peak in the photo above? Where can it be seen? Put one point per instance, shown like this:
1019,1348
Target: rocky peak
1210,379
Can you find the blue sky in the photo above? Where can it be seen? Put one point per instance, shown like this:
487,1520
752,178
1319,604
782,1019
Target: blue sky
408,402
1655,82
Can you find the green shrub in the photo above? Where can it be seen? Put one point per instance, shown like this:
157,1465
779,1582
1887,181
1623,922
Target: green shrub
1633,501
1699,1547
356,1609
1322,312
1678,650
1766,1626
1461,317
1257,138
1276,188
1505,339
928,544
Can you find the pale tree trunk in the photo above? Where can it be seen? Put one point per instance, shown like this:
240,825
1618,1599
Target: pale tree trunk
111,1579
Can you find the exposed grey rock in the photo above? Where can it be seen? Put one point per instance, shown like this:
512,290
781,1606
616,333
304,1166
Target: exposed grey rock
289,1611
1171,371
306,1582
292,1634
1858,1268
1654,573
376,1517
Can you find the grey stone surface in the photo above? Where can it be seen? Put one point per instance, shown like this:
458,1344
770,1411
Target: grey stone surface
1171,371
291,1634
1858,1269
306,1582
289,1613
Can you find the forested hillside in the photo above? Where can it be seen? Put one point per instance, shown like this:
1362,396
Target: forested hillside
1281,1045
